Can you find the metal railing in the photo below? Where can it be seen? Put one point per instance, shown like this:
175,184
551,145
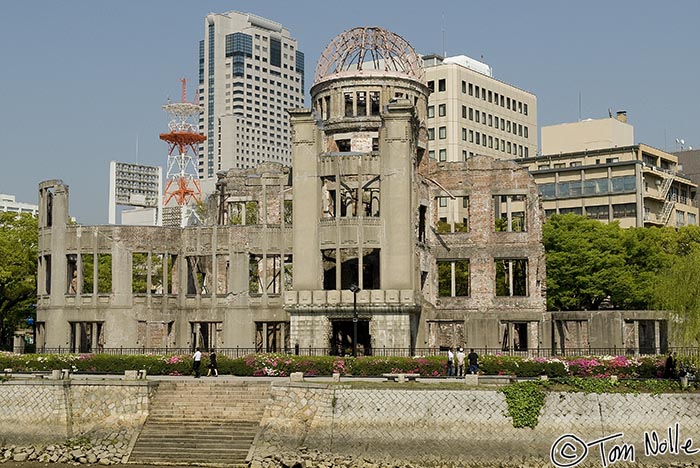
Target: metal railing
238,352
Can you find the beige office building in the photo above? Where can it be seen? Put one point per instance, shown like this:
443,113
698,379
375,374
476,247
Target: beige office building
470,112
593,168
250,72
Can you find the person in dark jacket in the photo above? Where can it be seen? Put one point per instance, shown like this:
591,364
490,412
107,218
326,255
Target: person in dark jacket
670,367
212,364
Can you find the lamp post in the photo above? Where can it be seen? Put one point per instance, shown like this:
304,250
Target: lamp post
355,289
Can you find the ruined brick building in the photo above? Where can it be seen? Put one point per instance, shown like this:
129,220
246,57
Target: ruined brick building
423,254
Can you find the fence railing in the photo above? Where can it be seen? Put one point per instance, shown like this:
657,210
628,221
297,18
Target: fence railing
384,352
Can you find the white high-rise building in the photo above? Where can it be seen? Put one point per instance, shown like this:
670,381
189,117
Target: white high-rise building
250,73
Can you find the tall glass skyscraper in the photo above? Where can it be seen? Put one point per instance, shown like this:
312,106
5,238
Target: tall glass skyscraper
250,73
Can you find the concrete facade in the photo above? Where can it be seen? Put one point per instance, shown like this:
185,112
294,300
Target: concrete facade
472,113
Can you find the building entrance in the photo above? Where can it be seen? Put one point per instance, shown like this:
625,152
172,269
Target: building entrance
341,338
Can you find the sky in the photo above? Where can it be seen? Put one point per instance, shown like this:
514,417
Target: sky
82,82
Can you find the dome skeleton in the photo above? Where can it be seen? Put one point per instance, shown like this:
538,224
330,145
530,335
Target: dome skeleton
385,51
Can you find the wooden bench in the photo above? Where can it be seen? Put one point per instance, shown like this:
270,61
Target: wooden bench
401,377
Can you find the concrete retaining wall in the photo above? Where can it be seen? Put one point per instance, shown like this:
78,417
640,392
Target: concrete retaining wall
35,412
429,428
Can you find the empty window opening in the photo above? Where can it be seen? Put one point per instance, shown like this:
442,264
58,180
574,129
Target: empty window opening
87,265
509,213
288,212
243,212
86,337
343,145
452,214
422,210
72,273
370,269
348,105
156,274
104,273
374,103
453,278
46,265
328,258
370,197
206,335
173,273
349,268
49,207
328,191
271,337
511,277
222,270
516,336
327,100
361,103
198,272
341,340
139,273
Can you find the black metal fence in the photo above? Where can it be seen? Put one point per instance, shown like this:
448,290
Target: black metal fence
385,352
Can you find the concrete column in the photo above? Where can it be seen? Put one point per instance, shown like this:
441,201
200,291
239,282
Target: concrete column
398,204
306,202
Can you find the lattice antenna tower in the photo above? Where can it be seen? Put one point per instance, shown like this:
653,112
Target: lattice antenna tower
182,184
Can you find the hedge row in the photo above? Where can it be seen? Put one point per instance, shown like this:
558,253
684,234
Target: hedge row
283,365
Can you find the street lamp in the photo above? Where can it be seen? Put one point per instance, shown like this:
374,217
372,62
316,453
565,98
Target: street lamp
355,289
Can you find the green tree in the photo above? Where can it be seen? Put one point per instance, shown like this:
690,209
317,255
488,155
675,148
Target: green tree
18,260
678,292
586,263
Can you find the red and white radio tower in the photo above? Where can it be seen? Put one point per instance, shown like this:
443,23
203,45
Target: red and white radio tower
182,185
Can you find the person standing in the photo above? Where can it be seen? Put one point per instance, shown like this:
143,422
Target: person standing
212,364
473,359
460,362
450,362
196,363
670,367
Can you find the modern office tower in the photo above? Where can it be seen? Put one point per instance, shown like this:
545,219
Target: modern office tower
250,72
593,168
470,112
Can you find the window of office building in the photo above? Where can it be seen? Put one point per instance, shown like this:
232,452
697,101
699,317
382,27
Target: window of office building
443,133
464,87
625,210
464,112
442,110
431,134
441,85
442,155
598,212
431,112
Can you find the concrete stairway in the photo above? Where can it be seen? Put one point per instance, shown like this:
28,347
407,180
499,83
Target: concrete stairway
201,422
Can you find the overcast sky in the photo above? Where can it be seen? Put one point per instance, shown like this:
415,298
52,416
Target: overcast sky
82,82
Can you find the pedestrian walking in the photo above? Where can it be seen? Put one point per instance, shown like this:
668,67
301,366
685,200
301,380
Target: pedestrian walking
212,364
473,359
670,367
196,363
450,362
460,362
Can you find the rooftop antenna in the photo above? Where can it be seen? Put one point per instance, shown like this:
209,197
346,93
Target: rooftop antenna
444,50
579,106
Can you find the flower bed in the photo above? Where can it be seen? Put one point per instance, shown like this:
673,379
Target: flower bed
284,365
